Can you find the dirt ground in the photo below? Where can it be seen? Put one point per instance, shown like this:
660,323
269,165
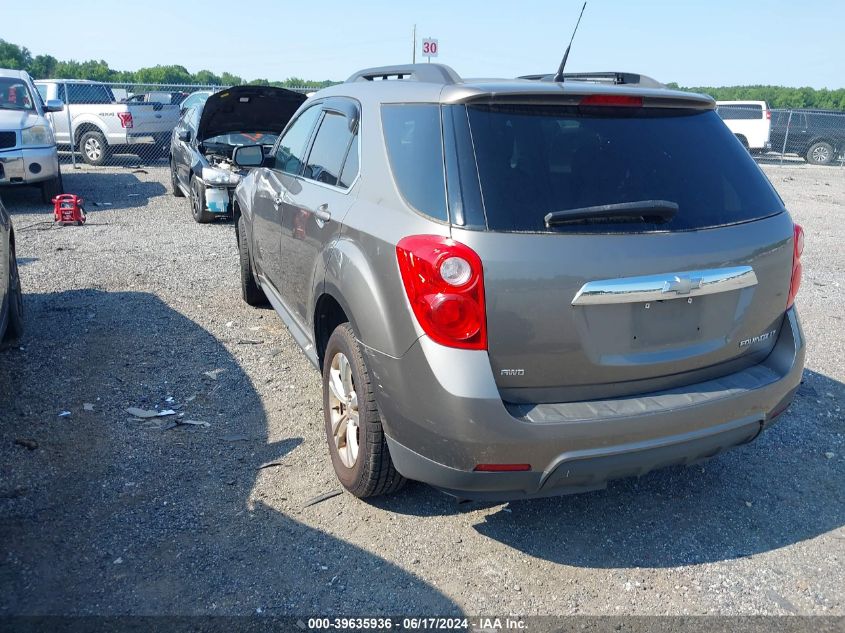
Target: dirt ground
101,514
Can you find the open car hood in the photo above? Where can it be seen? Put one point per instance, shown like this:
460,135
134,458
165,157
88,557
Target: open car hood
248,109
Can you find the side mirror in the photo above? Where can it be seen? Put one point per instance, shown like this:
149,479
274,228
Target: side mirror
54,105
248,156
184,135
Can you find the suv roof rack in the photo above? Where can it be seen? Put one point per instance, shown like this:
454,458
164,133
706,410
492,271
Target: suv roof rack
430,73
603,77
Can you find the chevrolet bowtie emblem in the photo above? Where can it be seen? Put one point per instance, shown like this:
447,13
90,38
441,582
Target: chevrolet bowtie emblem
682,285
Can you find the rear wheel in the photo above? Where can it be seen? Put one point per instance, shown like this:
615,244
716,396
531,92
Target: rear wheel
250,290
95,150
744,141
174,182
821,153
198,209
357,445
14,324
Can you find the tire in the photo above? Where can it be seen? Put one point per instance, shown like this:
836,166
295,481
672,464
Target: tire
820,153
52,188
198,209
94,148
369,472
174,182
250,290
14,323
744,142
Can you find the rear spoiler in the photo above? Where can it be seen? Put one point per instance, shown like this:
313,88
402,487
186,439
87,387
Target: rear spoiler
604,77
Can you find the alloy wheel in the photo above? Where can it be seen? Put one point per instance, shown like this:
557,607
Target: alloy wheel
93,149
820,154
343,404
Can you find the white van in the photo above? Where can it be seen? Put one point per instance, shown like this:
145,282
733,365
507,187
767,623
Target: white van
750,121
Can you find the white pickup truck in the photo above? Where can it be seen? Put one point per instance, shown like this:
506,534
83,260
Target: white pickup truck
101,126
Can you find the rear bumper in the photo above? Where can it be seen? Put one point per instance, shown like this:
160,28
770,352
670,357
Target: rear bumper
443,416
28,166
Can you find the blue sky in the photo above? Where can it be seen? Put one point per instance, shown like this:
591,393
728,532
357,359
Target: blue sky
713,43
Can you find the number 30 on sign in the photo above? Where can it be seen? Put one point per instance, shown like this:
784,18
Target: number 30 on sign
429,47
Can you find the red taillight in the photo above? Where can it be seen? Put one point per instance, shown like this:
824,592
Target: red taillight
445,286
501,468
125,119
797,250
612,100
768,115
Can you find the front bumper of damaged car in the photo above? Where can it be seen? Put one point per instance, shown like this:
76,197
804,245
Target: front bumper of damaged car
219,189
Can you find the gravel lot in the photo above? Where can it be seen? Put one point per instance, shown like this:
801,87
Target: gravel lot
105,515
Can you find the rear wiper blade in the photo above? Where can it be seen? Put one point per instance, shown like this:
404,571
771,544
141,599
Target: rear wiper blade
649,211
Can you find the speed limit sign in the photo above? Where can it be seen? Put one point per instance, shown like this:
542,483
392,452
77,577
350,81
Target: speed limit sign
429,47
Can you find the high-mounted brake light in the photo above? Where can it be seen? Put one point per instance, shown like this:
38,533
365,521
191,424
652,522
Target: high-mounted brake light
125,119
612,100
444,282
797,251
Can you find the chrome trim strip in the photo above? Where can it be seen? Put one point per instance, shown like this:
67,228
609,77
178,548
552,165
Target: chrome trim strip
692,283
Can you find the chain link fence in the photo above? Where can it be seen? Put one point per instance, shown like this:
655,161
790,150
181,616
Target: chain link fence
121,124
785,136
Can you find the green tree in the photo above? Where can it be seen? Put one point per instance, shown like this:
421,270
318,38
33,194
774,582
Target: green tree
163,75
228,79
207,77
43,67
14,56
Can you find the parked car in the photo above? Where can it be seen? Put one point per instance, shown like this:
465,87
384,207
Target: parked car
202,143
750,121
11,299
816,135
101,126
158,96
194,99
28,153
521,288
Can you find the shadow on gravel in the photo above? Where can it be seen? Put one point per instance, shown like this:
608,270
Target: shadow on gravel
101,514
124,191
782,489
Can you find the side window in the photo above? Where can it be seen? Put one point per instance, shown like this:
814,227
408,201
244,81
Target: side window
350,167
329,149
291,151
415,147
42,90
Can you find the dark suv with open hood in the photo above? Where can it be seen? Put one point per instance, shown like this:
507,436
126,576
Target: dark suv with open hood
518,288
201,145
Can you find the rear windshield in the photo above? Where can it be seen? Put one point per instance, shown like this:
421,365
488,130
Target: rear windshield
749,111
536,159
89,93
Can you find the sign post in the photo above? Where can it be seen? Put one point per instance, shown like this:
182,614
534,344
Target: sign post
430,48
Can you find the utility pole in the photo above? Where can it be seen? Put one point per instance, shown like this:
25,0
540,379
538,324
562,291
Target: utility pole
414,46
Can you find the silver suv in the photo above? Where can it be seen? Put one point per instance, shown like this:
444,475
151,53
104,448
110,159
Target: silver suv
520,288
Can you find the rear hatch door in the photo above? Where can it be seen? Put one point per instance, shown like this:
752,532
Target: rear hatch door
616,306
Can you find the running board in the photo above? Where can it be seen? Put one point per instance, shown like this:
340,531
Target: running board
296,330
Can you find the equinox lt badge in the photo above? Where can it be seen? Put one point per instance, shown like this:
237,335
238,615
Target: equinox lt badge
757,339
